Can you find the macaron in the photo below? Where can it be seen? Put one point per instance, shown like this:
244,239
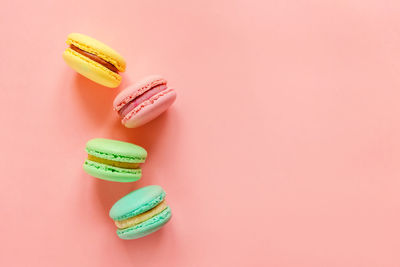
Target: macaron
144,101
114,160
140,212
94,60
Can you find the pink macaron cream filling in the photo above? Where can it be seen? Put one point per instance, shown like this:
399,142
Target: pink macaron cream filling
140,99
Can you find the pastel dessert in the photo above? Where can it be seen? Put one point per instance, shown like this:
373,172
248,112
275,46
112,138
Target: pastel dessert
94,60
140,212
114,160
144,101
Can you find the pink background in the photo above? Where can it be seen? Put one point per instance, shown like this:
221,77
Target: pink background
282,149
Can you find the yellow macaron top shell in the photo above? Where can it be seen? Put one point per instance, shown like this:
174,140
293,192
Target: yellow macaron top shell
97,48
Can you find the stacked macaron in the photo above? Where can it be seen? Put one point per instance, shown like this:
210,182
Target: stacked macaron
144,101
114,160
143,211
94,60
140,212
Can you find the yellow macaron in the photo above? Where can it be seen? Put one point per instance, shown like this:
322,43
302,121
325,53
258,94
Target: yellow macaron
94,60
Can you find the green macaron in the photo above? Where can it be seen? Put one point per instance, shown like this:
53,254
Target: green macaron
114,160
140,212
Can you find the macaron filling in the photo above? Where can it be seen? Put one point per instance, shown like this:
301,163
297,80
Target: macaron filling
131,105
130,222
95,58
119,164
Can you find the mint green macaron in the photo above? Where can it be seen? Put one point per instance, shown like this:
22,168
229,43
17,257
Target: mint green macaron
140,212
114,160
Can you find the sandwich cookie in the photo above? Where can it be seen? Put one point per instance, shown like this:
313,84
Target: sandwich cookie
94,60
140,212
144,101
114,160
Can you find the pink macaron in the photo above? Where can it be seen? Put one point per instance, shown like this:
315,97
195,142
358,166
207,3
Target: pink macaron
144,101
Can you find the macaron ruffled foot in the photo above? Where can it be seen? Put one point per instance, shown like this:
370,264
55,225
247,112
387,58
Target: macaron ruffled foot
144,101
140,212
94,60
114,160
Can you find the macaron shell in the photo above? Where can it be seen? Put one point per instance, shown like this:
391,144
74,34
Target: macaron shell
116,150
147,227
149,110
98,48
137,202
91,69
111,173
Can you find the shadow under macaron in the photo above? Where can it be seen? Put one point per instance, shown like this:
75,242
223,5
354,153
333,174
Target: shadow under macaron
96,99
146,136
110,192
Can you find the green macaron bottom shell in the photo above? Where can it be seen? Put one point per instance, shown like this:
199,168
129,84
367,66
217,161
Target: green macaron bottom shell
147,227
111,173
